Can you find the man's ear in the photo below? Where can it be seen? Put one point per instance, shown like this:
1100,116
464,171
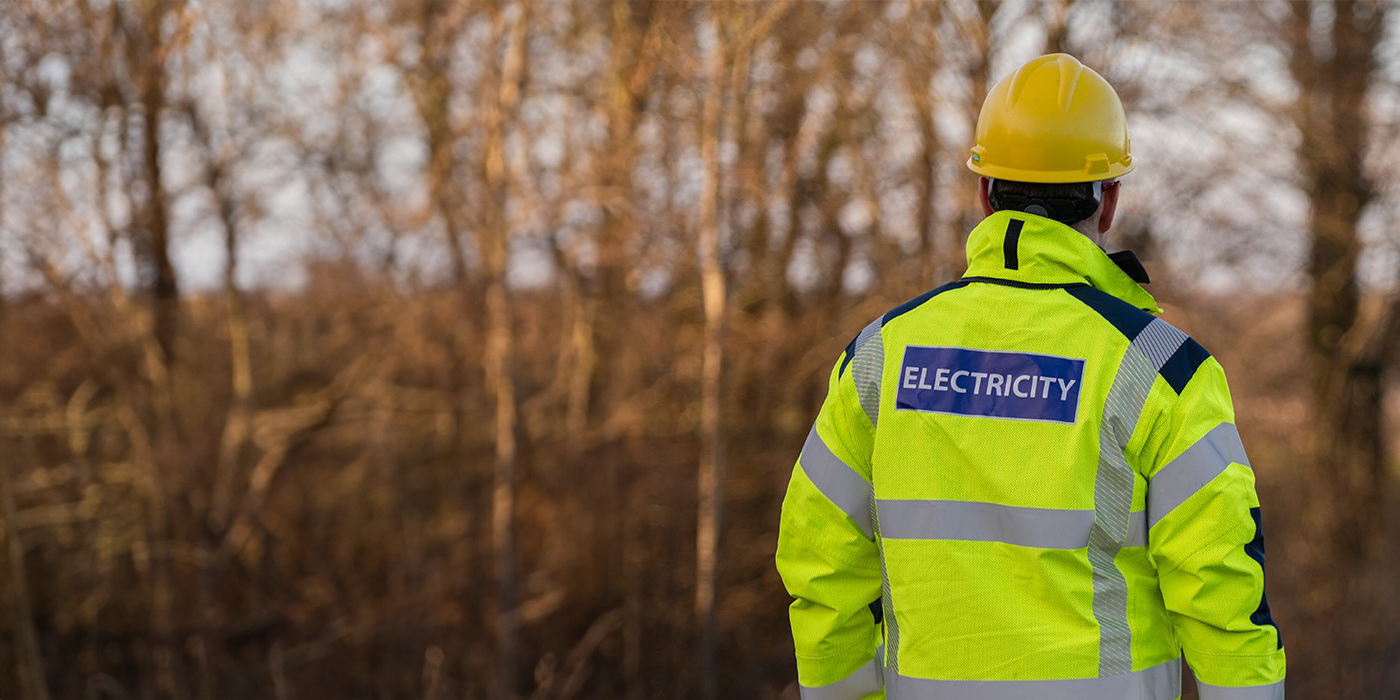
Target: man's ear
982,184
1110,205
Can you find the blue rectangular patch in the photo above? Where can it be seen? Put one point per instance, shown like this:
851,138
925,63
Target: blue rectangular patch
967,382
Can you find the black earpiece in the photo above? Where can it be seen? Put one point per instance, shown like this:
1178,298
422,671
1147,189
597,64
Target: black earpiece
1066,210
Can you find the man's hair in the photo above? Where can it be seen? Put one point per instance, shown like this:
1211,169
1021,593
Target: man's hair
1068,202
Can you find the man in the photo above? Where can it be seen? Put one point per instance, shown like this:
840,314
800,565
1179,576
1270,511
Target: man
1022,484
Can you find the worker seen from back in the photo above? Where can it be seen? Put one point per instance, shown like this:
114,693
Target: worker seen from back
1023,484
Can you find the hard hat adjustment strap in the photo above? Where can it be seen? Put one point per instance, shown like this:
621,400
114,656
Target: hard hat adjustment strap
1066,210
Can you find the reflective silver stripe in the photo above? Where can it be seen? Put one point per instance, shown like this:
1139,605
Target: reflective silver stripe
1048,528
863,681
1113,497
1160,682
1272,691
837,481
1137,529
1158,341
868,368
1113,490
984,522
867,372
891,622
1192,469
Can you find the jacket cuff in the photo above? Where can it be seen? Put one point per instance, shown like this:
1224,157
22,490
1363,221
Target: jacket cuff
1272,691
865,681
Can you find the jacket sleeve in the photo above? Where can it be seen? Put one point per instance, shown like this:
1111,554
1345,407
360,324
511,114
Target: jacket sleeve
1205,536
827,555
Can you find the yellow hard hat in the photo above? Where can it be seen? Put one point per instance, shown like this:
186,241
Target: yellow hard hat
1053,120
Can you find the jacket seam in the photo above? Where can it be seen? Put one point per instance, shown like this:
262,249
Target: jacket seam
1234,656
1018,284
808,534
841,427
1201,550
1215,410
844,651
1068,290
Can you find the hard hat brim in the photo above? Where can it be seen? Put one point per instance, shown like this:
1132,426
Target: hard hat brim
1001,172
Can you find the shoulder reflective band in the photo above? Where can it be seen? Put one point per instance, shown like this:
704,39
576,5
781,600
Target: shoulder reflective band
1193,469
1272,691
868,368
863,681
971,521
1160,682
1158,342
1176,367
837,481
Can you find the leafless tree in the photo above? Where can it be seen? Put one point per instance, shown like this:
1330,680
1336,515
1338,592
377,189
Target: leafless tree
567,280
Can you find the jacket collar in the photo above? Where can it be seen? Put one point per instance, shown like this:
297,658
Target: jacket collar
1038,250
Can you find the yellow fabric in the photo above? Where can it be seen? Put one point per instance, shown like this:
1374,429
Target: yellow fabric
831,569
996,611
1053,120
1050,253
1210,584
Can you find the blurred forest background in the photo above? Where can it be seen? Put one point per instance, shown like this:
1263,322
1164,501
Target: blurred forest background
416,348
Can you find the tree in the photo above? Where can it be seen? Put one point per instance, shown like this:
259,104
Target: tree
1349,352
500,100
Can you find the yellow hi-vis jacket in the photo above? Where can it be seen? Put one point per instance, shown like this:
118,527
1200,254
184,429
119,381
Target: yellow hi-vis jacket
1024,485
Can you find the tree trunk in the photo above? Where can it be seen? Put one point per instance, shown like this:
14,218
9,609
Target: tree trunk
147,50
1348,460
920,66
710,483
165,292
1057,25
30,664
499,110
238,421
1349,455
979,34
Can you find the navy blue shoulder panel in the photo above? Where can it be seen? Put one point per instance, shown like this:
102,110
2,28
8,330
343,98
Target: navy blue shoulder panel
918,301
1182,365
1128,319
897,311
850,352
1255,549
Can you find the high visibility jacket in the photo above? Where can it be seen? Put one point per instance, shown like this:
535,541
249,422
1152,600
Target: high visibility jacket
1024,485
